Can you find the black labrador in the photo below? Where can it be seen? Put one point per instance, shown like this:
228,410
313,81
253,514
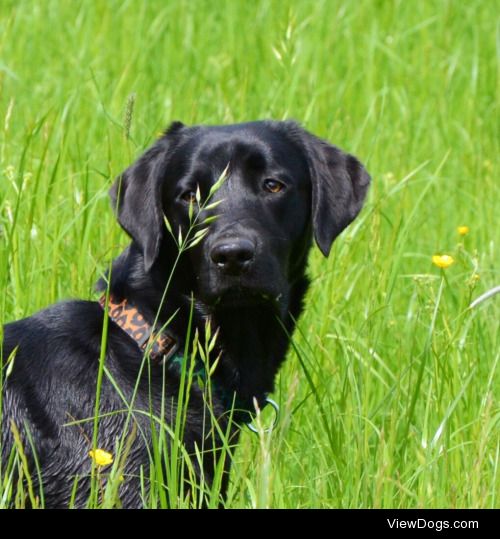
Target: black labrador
278,186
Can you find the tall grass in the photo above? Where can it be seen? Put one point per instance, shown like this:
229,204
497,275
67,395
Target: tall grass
389,395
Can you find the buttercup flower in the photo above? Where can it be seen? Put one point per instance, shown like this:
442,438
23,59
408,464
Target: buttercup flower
463,230
442,261
101,457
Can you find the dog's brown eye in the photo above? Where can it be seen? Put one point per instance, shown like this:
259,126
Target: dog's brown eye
273,186
189,197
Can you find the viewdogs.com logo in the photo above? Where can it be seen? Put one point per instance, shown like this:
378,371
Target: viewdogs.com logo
438,525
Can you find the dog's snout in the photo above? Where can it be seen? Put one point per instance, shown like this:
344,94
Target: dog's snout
233,256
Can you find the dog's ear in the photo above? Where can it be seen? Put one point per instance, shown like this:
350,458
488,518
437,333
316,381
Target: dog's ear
339,186
136,196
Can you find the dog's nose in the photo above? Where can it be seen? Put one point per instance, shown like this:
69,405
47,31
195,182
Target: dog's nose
233,256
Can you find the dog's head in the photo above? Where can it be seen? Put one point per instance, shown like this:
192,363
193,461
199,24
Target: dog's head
282,186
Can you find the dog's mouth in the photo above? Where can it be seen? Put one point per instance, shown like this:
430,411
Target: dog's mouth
237,298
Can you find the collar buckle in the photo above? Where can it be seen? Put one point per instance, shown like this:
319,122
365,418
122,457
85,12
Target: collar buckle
167,356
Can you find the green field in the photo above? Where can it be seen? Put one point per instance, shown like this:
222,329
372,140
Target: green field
389,395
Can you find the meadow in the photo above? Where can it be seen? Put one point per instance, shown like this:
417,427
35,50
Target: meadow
389,395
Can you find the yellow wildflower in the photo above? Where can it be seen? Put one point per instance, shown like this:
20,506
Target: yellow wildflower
463,230
101,457
442,261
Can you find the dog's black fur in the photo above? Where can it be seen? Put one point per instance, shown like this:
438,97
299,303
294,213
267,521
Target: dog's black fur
284,186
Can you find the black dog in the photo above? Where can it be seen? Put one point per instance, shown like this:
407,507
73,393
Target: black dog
246,277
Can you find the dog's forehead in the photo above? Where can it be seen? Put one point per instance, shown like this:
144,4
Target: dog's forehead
254,145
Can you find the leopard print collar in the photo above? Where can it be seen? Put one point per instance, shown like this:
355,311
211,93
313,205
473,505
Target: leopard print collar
161,346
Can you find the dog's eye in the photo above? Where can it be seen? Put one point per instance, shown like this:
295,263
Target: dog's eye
273,186
189,197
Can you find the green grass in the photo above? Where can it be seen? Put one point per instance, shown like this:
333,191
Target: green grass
390,393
